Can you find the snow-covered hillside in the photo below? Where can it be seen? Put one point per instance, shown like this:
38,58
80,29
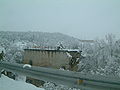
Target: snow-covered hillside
39,38
10,84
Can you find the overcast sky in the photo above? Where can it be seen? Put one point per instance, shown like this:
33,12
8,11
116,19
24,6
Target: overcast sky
84,19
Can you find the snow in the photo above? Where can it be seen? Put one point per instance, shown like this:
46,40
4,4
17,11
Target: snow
68,54
10,84
21,45
26,65
77,50
20,77
2,49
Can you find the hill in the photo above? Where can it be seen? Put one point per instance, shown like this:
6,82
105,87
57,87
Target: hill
38,38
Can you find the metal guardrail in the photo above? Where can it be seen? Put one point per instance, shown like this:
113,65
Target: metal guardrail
70,78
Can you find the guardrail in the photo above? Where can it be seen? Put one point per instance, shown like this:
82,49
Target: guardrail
70,78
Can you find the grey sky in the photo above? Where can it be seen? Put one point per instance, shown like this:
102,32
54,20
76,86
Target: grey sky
84,19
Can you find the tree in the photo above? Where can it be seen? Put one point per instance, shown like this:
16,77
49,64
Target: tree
103,57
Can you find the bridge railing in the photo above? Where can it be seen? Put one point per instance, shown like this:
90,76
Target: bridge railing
69,78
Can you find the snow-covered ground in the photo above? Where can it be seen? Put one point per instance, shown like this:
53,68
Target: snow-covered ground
10,84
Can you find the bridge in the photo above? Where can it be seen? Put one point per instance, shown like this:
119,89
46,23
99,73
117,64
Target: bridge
69,78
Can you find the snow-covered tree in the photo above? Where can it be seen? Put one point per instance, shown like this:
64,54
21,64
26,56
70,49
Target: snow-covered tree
102,57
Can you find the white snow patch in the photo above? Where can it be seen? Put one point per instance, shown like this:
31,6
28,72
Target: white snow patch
20,77
10,84
2,49
68,54
61,69
73,50
27,65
